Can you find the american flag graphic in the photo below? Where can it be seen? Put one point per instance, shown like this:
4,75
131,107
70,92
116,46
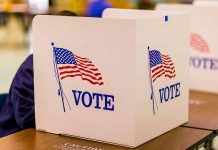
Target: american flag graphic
161,65
71,65
198,43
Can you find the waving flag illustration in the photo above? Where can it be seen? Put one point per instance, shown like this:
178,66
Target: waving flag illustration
69,65
159,65
199,43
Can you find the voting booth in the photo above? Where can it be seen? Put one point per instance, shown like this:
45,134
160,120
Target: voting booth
203,45
120,79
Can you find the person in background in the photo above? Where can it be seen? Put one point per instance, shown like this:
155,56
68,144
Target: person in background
18,112
96,7
146,4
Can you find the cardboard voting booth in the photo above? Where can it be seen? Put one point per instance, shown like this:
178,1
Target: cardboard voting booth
117,79
203,45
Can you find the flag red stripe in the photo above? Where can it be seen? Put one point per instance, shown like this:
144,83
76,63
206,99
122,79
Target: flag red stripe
169,71
83,78
163,69
90,71
161,66
84,62
158,76
85,73
92,68
85,65
72,71
165,55
168,67
67,67
85,59
167,61
166,58
156,68
173,76
198,43
158,72
171,64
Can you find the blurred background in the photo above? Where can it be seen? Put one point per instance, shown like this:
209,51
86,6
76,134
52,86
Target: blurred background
15,25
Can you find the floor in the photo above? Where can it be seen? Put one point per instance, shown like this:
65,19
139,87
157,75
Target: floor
10,60
13,50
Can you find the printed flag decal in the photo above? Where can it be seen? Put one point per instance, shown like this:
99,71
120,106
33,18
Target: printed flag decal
159,65
199,43
69,65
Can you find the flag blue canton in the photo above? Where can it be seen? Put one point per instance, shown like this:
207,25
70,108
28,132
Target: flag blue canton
64,56
155,58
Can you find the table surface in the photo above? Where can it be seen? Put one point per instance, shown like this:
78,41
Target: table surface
203,111
176,139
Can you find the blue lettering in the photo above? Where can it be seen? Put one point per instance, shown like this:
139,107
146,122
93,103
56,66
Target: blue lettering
213,65
76,98
171,89
177,89
109,102
161,91
195,62
166,94
169,92
204,63
98,96
89,99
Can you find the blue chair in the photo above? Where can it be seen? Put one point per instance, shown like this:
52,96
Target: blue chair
3,98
